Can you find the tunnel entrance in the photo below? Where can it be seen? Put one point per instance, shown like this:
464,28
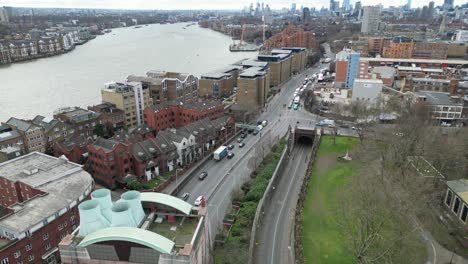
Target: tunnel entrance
305,140
304,136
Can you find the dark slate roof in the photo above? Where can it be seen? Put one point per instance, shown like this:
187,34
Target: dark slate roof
107,145
45,122
21,125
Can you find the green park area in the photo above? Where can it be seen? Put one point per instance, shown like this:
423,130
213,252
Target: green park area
322,240
326,223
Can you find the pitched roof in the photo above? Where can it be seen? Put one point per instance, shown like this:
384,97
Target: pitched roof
20,124
45,122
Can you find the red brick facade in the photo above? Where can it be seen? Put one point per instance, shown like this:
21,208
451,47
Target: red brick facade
108,166
16,192
175,116
292,36
46,239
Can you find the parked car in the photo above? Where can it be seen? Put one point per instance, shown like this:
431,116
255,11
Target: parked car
250,130
243,135
239,140
198,201
255,132
230,147
241,145
230,155
202,175
185,196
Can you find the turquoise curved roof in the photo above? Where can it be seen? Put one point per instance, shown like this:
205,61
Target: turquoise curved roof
168,200
130,234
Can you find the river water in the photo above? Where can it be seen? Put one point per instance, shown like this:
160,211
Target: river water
75,78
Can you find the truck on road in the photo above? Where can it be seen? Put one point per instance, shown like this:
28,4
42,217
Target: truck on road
220,153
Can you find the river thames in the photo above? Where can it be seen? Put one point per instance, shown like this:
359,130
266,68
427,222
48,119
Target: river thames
76,78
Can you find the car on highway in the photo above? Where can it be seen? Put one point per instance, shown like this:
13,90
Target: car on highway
241,145
230,147
202,175
230,155
185,196
239,140
198,201
243,135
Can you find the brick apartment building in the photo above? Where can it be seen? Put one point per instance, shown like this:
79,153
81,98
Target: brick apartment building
36,211
292,36
54,130
33,135
399,47
114,161
74,149
112,118
168,86
175,114
80,121
11,138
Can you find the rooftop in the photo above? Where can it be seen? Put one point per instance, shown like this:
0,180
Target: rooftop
20,124
117,87
151,80
460,187
9,135
429,61
49,175
437,98
254,63
107,145
384,71
252,72
77,114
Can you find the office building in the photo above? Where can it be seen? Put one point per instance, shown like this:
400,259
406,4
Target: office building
306,14
367,90
348,67
168,86
370,19
461,35
253,85
448,4
80,122
399,47
40,197
130,97
346,6
279,64
219,83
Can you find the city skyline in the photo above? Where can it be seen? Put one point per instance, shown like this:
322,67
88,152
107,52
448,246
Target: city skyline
187,4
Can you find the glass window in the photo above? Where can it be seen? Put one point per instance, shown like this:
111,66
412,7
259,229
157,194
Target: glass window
456,205
464,213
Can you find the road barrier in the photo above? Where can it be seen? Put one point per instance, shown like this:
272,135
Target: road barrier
267,195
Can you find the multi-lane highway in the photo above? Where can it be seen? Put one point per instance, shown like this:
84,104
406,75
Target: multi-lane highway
226,175
274,244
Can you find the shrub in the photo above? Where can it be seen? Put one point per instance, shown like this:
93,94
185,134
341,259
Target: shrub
135,185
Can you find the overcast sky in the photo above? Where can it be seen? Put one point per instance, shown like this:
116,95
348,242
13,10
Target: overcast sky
194,4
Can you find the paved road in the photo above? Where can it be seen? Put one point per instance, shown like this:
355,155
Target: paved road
225,175
275,244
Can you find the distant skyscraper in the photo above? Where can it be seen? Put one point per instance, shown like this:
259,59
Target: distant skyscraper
431,9
5,14
370,19
332,5
448,4
408,5
293,8
306,14
346,6
357,9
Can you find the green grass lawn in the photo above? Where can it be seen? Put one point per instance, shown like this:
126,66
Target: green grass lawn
321,238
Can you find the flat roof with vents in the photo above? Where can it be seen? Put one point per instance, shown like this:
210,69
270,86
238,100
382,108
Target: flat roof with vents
60,184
